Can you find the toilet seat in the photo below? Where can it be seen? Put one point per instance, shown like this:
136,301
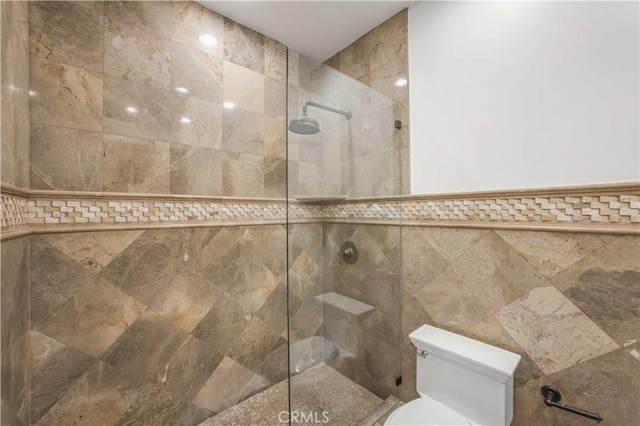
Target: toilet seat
426,411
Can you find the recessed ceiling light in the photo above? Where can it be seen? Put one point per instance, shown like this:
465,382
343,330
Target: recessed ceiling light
131,109
229,105
185,120
401,82
182,90
208,40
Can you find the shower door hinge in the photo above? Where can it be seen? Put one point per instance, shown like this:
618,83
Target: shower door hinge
398,124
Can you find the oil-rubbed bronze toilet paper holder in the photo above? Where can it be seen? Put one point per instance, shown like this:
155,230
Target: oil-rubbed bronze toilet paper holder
552,399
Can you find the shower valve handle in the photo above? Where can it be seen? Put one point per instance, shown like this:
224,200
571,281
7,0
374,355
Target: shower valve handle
348,252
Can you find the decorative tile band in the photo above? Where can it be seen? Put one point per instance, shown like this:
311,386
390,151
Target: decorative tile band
604,208
593,209
13,211
109,212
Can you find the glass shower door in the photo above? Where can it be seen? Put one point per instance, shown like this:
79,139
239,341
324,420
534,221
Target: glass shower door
344,288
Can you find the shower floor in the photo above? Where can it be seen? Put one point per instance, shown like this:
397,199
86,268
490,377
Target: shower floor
314,391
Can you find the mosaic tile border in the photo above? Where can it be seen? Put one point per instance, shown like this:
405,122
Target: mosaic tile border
601,208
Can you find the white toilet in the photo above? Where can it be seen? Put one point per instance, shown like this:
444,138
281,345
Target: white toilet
460,381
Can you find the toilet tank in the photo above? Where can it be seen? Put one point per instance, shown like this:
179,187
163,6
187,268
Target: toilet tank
469,376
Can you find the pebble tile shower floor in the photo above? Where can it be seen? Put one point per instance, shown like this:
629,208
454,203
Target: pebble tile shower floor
318,389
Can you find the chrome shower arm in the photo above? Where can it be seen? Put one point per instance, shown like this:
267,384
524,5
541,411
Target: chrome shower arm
347,114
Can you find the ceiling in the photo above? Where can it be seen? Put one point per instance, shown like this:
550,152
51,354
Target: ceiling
318,29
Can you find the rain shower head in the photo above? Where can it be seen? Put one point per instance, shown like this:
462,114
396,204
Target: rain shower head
306,125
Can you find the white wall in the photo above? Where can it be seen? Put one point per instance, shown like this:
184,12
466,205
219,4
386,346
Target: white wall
522,95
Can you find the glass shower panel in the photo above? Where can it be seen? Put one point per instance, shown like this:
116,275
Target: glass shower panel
343,152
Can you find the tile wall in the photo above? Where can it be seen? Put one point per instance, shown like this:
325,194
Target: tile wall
14,76
14,297
14,301
347,156
379,59
369,341
126,98
161,326
568,303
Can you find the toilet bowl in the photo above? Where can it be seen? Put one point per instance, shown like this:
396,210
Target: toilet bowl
460,381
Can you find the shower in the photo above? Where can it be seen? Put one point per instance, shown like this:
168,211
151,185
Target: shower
306,125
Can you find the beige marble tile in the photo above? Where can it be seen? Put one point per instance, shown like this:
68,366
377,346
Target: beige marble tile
611,299
186,300
450,243
275,138
103,391
135,165
634,239
293,68
222,325
553,331
420,262
243,46
189,368
244,132
607,385
354,59
55,367
154,405
134,109
68,32
54,277
134,54
305,276
146,347
389,56
195,170
14,122
275,59
242,175
244,88
93,318
15,368
275,177
495,273
491,331
65,96
65,159
450,303
275,97
254,344
225,386
198,72
152,16
309,179
94,250
334,61
604,285
190,21
618,255
388,183
196,122
551,252
305,323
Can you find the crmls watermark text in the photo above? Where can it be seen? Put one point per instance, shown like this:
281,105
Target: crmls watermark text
305,417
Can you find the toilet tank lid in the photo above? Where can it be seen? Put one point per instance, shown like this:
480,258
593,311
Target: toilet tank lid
470,350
